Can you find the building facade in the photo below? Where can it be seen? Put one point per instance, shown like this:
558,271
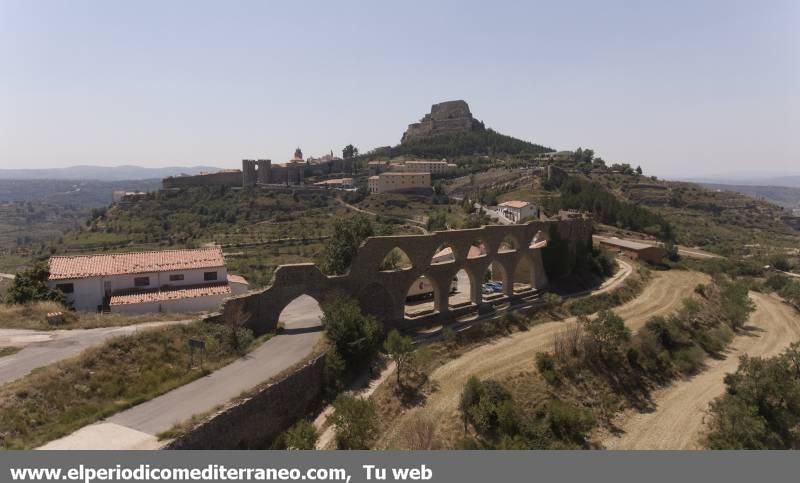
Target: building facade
636,250
517,210
400,182
140,282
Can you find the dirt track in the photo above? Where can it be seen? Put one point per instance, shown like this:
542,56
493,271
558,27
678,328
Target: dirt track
678,421
516,353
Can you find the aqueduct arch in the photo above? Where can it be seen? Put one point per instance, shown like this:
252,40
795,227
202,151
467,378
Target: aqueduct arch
383,292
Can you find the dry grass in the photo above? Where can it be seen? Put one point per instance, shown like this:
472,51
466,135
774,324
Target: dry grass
9,350
56,400
34,317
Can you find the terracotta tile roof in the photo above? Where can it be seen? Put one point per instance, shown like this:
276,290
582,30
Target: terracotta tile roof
173,293
85,266
515,204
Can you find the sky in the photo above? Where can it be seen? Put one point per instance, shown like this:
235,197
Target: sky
682,88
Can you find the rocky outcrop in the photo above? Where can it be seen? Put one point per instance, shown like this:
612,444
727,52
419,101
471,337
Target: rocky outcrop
445,118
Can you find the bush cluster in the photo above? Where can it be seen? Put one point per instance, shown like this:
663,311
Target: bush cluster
502,424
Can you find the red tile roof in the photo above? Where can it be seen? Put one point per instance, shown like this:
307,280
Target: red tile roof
85,266
173,293
515,204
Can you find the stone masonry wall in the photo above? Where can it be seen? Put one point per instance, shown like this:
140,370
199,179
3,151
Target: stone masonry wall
256,421
382,293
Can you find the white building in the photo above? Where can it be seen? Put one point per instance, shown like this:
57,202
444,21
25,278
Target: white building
400,182
158,281
517,210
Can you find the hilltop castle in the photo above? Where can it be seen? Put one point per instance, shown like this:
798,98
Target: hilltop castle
445,118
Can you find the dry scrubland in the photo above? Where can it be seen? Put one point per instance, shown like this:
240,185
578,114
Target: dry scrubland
679,419
34,317
509,356
56,400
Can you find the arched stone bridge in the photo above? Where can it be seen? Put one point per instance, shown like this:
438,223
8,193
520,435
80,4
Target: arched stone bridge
383,293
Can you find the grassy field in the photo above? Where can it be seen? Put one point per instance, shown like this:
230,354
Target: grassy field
56,400
33,317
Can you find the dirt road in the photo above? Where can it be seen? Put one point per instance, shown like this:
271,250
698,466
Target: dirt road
678,421
516,353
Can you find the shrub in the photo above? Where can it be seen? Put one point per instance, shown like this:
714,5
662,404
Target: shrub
569,422
302,435
761,406
546,365
356,422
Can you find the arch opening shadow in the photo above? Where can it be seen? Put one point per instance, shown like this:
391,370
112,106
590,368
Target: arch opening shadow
421,298
477,249
494,282
396,259
523,276
539,240
461,290
444,254
301,314
509,244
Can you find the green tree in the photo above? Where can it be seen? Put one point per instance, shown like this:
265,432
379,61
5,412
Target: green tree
607,331
400,348
355,420
349,152
31,286
354,334
348,234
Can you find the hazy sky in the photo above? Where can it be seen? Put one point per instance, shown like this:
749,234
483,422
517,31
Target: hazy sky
682,88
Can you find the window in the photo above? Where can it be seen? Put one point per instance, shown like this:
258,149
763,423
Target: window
66,287
141,281
176,277
207,276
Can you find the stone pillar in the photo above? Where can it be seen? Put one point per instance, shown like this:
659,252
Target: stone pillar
248,173
538,275
264,171
475,286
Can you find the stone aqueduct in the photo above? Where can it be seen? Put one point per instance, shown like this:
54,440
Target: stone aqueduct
383,293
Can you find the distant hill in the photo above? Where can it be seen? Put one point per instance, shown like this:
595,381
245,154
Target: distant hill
102,173
779,195
788,180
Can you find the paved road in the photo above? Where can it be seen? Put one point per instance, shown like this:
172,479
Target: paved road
47,347
137,427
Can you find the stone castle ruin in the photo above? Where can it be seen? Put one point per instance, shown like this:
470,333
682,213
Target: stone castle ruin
382,293
263,173
445,118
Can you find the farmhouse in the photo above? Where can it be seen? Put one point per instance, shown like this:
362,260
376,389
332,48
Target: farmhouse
517,210
636,250
139,282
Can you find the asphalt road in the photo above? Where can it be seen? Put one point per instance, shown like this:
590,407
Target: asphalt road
136,427
42,348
